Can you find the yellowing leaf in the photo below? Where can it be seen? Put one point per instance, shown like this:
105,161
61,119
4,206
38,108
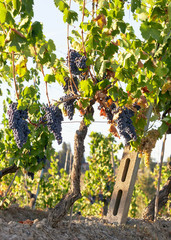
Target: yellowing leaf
101,20
21,68
113,130
166,87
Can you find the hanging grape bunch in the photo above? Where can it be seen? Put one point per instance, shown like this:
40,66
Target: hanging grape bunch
125,125
18,123
147,144
54,120
68,104
71,85
117,115
76,62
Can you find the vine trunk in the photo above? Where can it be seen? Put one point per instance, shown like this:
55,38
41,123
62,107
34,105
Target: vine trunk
62,208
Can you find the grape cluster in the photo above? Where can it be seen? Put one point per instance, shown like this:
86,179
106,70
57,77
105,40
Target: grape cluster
69,85
54,118
109,114
125,125
39,160
147,144
68,105
31,175
77,62
81,62
18,123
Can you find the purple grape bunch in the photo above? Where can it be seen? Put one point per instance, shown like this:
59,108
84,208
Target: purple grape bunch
68,105
17,122
125,125
77,62
69,85
54,121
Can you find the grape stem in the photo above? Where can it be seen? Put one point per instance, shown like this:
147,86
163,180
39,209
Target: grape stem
3,28
92,8
67,99
82,31
82,34
46,85
15,83
34,124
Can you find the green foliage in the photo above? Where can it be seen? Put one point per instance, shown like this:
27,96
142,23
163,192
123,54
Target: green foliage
145,189
53,186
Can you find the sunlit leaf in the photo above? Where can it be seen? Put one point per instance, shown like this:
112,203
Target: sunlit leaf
49,78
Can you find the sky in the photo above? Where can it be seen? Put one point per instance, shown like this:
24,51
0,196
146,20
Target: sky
54,28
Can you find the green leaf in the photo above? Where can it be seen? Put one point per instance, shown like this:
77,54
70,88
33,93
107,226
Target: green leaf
149,65
76,33
163,128
103,84
145,30
22,104
37,30
62,6
86,87
51,45
103,68
154,118
29,92
110,50
155,33
2,40
122,26
88,118
34,107
151,29
16,4
70,16
59,77
27,7
135,4
57,2
3,12
49,78
161,71
142,15
98,64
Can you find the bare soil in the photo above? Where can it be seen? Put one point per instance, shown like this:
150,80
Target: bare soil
26,224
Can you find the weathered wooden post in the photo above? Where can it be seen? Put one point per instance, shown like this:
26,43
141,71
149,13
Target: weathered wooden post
124,186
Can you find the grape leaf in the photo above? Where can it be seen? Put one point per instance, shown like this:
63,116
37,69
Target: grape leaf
87,87
29,92
3,12
49,78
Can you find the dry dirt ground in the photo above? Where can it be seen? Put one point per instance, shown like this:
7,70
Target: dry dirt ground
26,224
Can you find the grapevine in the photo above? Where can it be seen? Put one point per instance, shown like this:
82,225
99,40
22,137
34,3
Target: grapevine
109,64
